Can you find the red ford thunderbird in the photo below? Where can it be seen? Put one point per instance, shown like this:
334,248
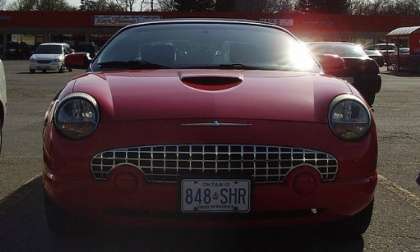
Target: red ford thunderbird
208,124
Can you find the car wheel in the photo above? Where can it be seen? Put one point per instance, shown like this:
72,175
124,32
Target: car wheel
32,71
61,69
357,224
70,69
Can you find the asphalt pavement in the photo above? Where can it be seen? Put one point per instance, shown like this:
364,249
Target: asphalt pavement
396,220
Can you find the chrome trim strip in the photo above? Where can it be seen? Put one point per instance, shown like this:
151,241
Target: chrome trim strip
216,124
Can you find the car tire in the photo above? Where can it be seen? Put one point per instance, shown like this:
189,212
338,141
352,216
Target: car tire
44,71
32,71
61,69
69,69
357,224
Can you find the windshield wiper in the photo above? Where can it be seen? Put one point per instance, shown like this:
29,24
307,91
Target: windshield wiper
131,64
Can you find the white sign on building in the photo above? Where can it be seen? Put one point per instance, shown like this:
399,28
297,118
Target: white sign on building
121,20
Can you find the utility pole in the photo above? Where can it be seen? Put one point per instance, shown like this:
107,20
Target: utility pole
151,5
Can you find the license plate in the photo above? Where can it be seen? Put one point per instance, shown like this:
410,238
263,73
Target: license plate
215,195
348,79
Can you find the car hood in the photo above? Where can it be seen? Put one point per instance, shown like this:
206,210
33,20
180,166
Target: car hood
261,95
46,56
373,53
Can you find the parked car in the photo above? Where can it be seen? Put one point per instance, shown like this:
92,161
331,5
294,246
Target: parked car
3,101
87,47
15,50
377,56
386,49
50,56
209,123
404,50
77,59
361,71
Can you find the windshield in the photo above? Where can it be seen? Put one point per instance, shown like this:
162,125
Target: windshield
386,47
49,49
204,46
342,50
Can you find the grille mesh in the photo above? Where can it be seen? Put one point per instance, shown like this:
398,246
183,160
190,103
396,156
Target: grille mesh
166,163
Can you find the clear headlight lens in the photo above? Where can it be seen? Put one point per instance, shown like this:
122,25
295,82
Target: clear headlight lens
77,116
349,117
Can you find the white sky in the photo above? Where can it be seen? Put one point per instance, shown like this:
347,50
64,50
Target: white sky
74,2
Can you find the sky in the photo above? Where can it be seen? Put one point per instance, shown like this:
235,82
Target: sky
74,2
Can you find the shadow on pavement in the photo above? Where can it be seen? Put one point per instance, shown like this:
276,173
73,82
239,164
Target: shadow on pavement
23,228
402,73
38,73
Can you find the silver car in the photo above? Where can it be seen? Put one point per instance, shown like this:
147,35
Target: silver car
49,56
3,101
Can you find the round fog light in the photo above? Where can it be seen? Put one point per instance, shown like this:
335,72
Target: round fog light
125,182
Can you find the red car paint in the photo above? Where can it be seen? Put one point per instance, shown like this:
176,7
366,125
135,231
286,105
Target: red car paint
148,107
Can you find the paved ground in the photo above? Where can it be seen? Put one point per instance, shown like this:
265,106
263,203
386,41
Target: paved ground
395,227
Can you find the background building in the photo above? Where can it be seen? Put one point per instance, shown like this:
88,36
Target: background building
21,31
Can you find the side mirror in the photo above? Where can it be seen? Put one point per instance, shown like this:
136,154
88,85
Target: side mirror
78,60
332,64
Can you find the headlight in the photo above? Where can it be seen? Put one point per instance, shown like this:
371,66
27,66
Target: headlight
77,116
349,117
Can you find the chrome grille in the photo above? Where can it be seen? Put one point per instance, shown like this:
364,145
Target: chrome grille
166,163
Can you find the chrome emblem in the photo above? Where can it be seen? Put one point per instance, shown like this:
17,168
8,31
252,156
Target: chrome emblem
216,124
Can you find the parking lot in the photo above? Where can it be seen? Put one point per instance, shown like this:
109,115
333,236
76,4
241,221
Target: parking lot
396,221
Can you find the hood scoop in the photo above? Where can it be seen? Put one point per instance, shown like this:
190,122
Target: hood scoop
211,82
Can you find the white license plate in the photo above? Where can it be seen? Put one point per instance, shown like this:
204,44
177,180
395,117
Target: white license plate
348,79
215,195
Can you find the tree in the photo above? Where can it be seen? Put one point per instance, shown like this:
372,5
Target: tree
385,7
23,5
2,4
166,5
40,5
326,6
127,5
225,5
194,5
100,5
273,6
53,5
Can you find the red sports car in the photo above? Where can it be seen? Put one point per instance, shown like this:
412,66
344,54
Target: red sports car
209,123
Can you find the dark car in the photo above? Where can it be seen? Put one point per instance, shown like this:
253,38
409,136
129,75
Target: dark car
88,47
377,56
386,49
360,70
